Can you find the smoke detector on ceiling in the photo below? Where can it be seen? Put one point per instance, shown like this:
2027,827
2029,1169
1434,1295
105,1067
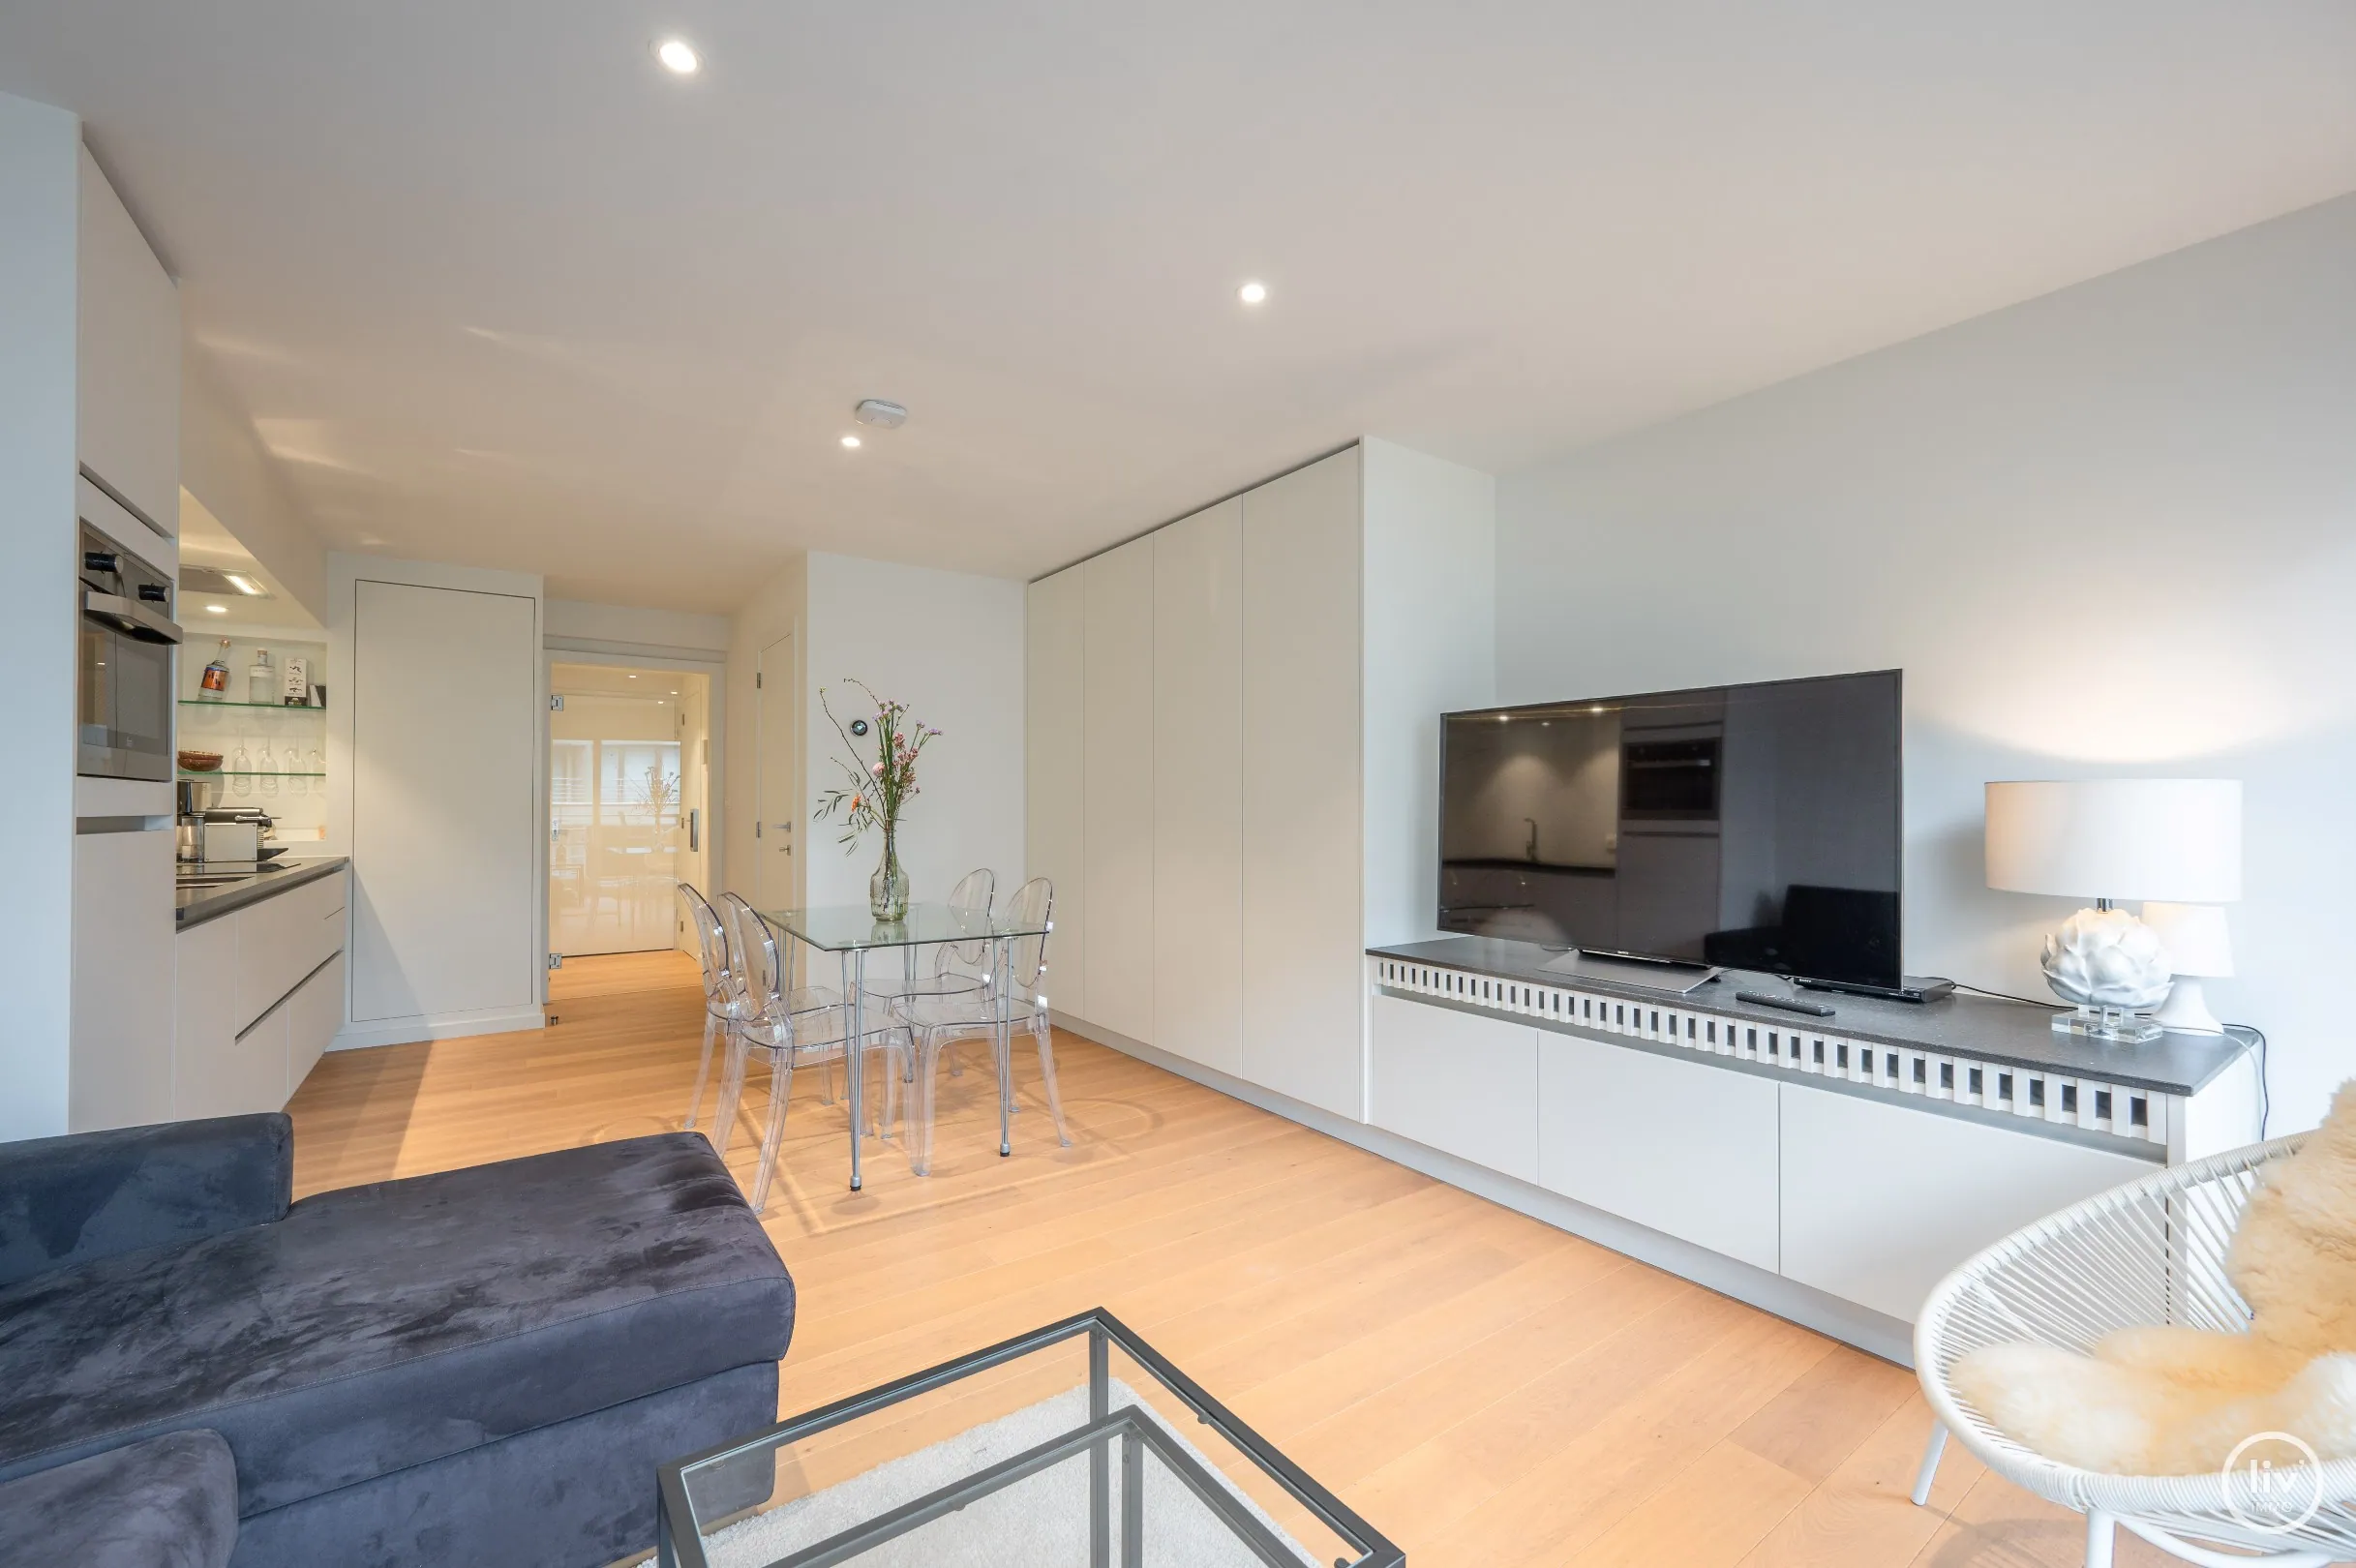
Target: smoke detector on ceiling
880,411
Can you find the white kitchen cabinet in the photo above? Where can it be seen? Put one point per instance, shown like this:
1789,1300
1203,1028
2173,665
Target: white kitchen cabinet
1117,788
122,1069
128,327
1198,788
1456,1082
1686,1148
1302,937
447,808
1880,1201
314,1013
1055,632
259,996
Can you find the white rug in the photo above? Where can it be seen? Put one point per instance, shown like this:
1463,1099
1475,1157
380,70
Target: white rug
1037,1522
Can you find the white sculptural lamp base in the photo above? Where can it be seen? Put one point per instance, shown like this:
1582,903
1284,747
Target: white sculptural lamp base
2112,1026
2186,1011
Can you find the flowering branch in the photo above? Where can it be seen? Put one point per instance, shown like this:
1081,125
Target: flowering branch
877,792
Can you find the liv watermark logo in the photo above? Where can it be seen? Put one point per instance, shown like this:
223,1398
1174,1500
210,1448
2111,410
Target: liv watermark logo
2272,1484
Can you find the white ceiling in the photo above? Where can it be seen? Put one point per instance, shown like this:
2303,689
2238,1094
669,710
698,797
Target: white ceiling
497,289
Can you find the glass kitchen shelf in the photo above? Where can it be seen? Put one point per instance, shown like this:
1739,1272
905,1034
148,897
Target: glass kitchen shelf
276,707
249,773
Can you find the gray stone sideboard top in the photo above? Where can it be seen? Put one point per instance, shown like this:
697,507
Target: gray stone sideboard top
2008,1034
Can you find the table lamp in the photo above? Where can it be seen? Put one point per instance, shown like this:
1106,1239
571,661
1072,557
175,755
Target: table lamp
2200,948
2171,840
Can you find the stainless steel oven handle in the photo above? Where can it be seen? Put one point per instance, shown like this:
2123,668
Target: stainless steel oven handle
130,616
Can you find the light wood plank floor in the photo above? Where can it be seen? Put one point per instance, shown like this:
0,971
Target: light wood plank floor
1484,1388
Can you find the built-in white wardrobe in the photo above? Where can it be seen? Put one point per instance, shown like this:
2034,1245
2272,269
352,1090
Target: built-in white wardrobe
1233,759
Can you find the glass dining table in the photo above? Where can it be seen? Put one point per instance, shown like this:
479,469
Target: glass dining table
853,934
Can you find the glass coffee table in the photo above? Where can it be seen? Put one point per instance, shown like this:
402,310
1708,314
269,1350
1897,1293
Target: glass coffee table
1075,1444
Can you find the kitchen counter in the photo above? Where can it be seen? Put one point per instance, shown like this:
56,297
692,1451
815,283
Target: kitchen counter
212,901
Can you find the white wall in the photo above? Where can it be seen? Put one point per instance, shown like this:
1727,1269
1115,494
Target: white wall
40,156
222,465
577,625
1429,560
951,646
775,610
2108,532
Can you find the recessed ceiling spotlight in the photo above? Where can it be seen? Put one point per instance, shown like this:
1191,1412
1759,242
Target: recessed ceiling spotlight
1253,292
678,56
850,440
218,609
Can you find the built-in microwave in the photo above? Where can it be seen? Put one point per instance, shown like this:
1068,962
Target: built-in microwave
123,681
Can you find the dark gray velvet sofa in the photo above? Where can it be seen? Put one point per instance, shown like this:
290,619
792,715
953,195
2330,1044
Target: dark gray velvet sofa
480,1367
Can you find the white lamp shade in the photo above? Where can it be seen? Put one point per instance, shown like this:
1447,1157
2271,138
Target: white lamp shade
2178,839
2195,937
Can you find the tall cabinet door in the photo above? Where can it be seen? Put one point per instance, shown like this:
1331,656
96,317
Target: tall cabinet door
446,813
1199,787
1117,789
1055,631
1304,983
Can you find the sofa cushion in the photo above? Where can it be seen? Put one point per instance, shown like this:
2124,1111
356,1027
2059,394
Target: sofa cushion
170,1502
383,1326
74,1199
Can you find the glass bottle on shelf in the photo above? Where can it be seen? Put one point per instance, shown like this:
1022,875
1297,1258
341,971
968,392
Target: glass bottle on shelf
267,766
214,687
240,772
262,679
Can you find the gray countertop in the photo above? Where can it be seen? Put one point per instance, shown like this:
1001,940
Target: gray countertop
2010,1034
212,901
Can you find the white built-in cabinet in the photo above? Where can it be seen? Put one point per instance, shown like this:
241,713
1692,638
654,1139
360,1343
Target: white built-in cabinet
1211,679
1303,933
127,397
1199,787
447,808
1117,786
1055,635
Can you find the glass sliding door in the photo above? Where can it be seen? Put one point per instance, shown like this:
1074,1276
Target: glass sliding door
620,817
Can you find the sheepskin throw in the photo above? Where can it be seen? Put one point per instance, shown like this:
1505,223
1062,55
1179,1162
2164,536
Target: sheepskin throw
2174,1401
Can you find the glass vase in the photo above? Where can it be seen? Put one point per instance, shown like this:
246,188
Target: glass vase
888,889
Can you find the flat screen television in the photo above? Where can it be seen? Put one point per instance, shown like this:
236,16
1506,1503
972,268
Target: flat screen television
1758,827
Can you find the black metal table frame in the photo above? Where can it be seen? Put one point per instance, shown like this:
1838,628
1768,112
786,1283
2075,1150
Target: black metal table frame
1131,1428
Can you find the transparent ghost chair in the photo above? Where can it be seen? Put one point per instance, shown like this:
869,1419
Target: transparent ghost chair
1011,1004
787,1028
725,1007
957,966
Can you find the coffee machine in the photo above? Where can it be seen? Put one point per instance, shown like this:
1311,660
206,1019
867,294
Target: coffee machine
213,832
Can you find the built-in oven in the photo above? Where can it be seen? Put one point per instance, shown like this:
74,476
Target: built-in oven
124,680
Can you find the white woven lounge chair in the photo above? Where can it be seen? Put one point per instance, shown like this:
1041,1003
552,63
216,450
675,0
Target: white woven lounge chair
2151,1251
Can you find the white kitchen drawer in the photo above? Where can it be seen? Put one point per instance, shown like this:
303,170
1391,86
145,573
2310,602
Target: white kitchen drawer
1456,1082
1880,1201
1684,1147
313,1014
282,938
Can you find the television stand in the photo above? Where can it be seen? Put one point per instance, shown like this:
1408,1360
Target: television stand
1911,988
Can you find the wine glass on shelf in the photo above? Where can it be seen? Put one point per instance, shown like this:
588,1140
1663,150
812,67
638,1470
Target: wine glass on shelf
266,766
241,767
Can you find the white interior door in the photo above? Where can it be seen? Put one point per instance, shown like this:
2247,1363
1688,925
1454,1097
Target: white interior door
776,880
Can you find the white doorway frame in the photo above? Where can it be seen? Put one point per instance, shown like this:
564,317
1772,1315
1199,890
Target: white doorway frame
715,776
